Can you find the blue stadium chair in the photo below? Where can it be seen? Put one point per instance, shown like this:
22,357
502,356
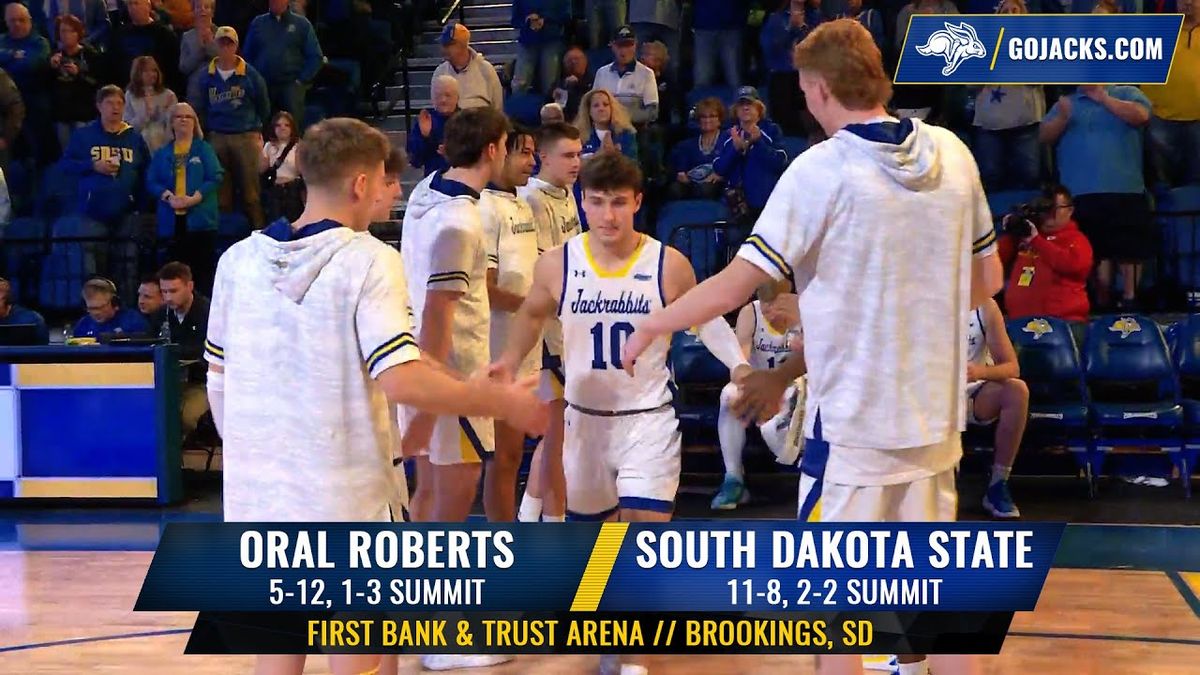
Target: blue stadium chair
1058,398
1003,202
1135,398
698,228
1184,340
231,228
24,247
525,108
793,146
699,378
72,261
1178,213
59,194
597,58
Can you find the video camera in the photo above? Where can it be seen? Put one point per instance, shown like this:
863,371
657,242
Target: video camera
1025,218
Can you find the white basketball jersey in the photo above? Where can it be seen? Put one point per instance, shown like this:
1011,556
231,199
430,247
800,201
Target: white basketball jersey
511,242
557,220
770,347
599,311
977,349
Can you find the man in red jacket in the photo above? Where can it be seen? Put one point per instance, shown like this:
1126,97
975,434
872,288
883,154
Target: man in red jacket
1050,267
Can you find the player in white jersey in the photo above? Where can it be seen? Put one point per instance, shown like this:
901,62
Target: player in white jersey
445,262
996,395
621,446
764,333
886,232
307,421
557,218
511,241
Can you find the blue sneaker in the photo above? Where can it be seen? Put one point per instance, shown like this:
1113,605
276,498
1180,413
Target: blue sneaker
998,501
733,493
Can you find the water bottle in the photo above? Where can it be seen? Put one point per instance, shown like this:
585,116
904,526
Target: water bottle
164,332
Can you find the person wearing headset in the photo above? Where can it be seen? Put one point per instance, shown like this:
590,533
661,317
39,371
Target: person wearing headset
104,312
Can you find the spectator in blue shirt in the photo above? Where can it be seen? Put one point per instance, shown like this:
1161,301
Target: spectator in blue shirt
717,26
25,55
542,25
424,143
780,33
752,159
12,314
1097,134
871,19
110,159
692,159
283,47
105,314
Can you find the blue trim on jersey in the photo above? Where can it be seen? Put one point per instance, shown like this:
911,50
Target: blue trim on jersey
647,504
387,348
550,361
473,438
282,230
562,296
892,133
764,249
816,452
590,517
451,188
810,501
662,255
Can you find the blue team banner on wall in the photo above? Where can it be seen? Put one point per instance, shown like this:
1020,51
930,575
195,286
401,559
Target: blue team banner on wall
610,567
1039,49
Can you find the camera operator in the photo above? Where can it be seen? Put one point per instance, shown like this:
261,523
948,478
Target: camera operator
1049,258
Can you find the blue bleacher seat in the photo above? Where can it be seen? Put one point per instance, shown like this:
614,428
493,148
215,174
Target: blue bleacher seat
72,262
1184,340
793,146
59,193
1058,399
231,228
1133,385
699,377
23,249
1178,213
525,108
698,228
1003,202
726,94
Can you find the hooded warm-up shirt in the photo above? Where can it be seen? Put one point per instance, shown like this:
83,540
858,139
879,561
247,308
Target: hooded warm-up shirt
304,321
878,226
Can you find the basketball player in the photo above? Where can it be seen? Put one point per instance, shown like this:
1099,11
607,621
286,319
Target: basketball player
762,331
996,395
307,425
621,444
445,262
512,249
557,218
886,232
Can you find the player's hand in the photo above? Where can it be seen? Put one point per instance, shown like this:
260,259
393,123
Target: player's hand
974,372
523,409
418,432
759,395
634,347
501,371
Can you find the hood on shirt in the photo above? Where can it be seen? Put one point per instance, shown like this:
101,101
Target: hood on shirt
549,188
434,191
906,150
294,258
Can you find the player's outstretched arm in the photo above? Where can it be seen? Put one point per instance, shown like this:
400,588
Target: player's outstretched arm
540,304
426,387
715,334
718,295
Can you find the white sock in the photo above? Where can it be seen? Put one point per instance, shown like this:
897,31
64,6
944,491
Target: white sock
531,509
732,434
999,473
554,519
918,668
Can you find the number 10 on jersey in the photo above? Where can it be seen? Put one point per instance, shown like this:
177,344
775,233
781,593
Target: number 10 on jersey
617,333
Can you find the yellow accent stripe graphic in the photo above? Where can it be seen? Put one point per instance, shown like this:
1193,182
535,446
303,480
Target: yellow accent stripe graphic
599,567
1192,579
815,515
996,51
214,349
758,244
620,271
76,375
88,487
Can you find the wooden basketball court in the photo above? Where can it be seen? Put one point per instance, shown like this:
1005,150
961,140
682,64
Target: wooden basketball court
67,612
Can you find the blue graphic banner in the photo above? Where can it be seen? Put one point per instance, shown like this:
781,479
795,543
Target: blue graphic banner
1038,49
611,567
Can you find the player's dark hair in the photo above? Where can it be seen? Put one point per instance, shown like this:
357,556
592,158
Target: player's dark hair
175,271
469,133
549,134
610,172
515,135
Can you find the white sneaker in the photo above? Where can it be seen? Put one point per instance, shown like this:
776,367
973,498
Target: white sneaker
610,664
457,661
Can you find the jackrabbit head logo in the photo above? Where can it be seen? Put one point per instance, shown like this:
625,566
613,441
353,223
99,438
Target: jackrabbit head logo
955,44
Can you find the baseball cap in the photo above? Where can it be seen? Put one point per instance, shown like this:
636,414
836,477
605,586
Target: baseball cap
454,32
226,32
624,34
747,93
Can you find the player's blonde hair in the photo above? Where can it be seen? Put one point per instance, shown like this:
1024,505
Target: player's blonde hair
583,119
844,54
338,148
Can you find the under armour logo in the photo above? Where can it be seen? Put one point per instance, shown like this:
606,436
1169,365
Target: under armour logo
580,273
